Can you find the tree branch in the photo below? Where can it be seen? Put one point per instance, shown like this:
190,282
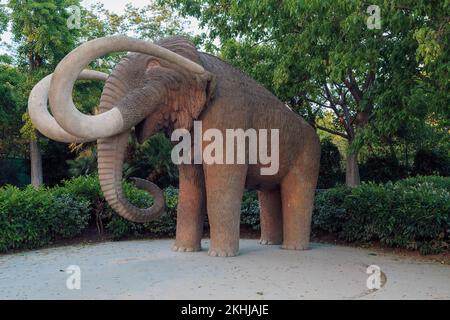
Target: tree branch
343,135
347,121
318,103
352,85
369,80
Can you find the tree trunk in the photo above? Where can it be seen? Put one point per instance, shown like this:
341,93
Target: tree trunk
37,179
352,171
36,163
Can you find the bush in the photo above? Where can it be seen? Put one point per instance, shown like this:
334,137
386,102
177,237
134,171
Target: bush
88,188
119,228
329,212
83,187
419,181
32,218
413,213
250,211
165,226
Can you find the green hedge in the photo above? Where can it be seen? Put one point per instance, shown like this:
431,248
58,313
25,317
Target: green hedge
32,218
88,188
119,228
412,213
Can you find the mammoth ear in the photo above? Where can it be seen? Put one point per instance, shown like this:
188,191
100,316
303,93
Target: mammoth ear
206,85
143,130
153,63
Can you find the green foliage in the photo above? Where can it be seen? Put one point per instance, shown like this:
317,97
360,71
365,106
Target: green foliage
152,21
412,213
330,172
12,106
42,39
87,188
43,36
152,160
84,164
70,217
163,227
10,81
3,19
32,218
435,181
329,210
385,86
250,210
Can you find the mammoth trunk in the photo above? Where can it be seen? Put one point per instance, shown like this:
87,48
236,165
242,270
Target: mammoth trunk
111,153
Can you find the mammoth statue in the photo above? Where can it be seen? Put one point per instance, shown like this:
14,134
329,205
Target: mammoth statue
170,85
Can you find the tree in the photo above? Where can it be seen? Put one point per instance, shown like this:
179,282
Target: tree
152,22
321,56
3,19
12,106
43,38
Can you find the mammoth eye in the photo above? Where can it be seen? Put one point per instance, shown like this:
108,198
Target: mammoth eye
152,64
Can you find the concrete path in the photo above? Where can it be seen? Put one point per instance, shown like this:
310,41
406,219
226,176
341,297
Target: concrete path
150,270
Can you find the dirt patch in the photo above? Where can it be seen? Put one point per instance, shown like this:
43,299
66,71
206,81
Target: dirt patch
443,258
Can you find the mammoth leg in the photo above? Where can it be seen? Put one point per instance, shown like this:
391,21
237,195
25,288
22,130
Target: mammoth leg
191,209
297,196
271,217
224,191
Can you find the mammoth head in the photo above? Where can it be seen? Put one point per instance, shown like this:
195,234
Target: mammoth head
170,96
155,86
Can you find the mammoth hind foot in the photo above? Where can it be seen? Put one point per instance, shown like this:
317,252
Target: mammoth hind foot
177,248
270,242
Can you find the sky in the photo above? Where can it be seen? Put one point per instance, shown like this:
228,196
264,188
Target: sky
116,6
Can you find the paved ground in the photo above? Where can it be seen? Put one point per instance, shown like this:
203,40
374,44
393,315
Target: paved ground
150,270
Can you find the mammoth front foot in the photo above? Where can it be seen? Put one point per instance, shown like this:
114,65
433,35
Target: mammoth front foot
177,248
223,253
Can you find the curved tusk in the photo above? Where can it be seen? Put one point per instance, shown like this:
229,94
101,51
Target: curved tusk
112,122
41,117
